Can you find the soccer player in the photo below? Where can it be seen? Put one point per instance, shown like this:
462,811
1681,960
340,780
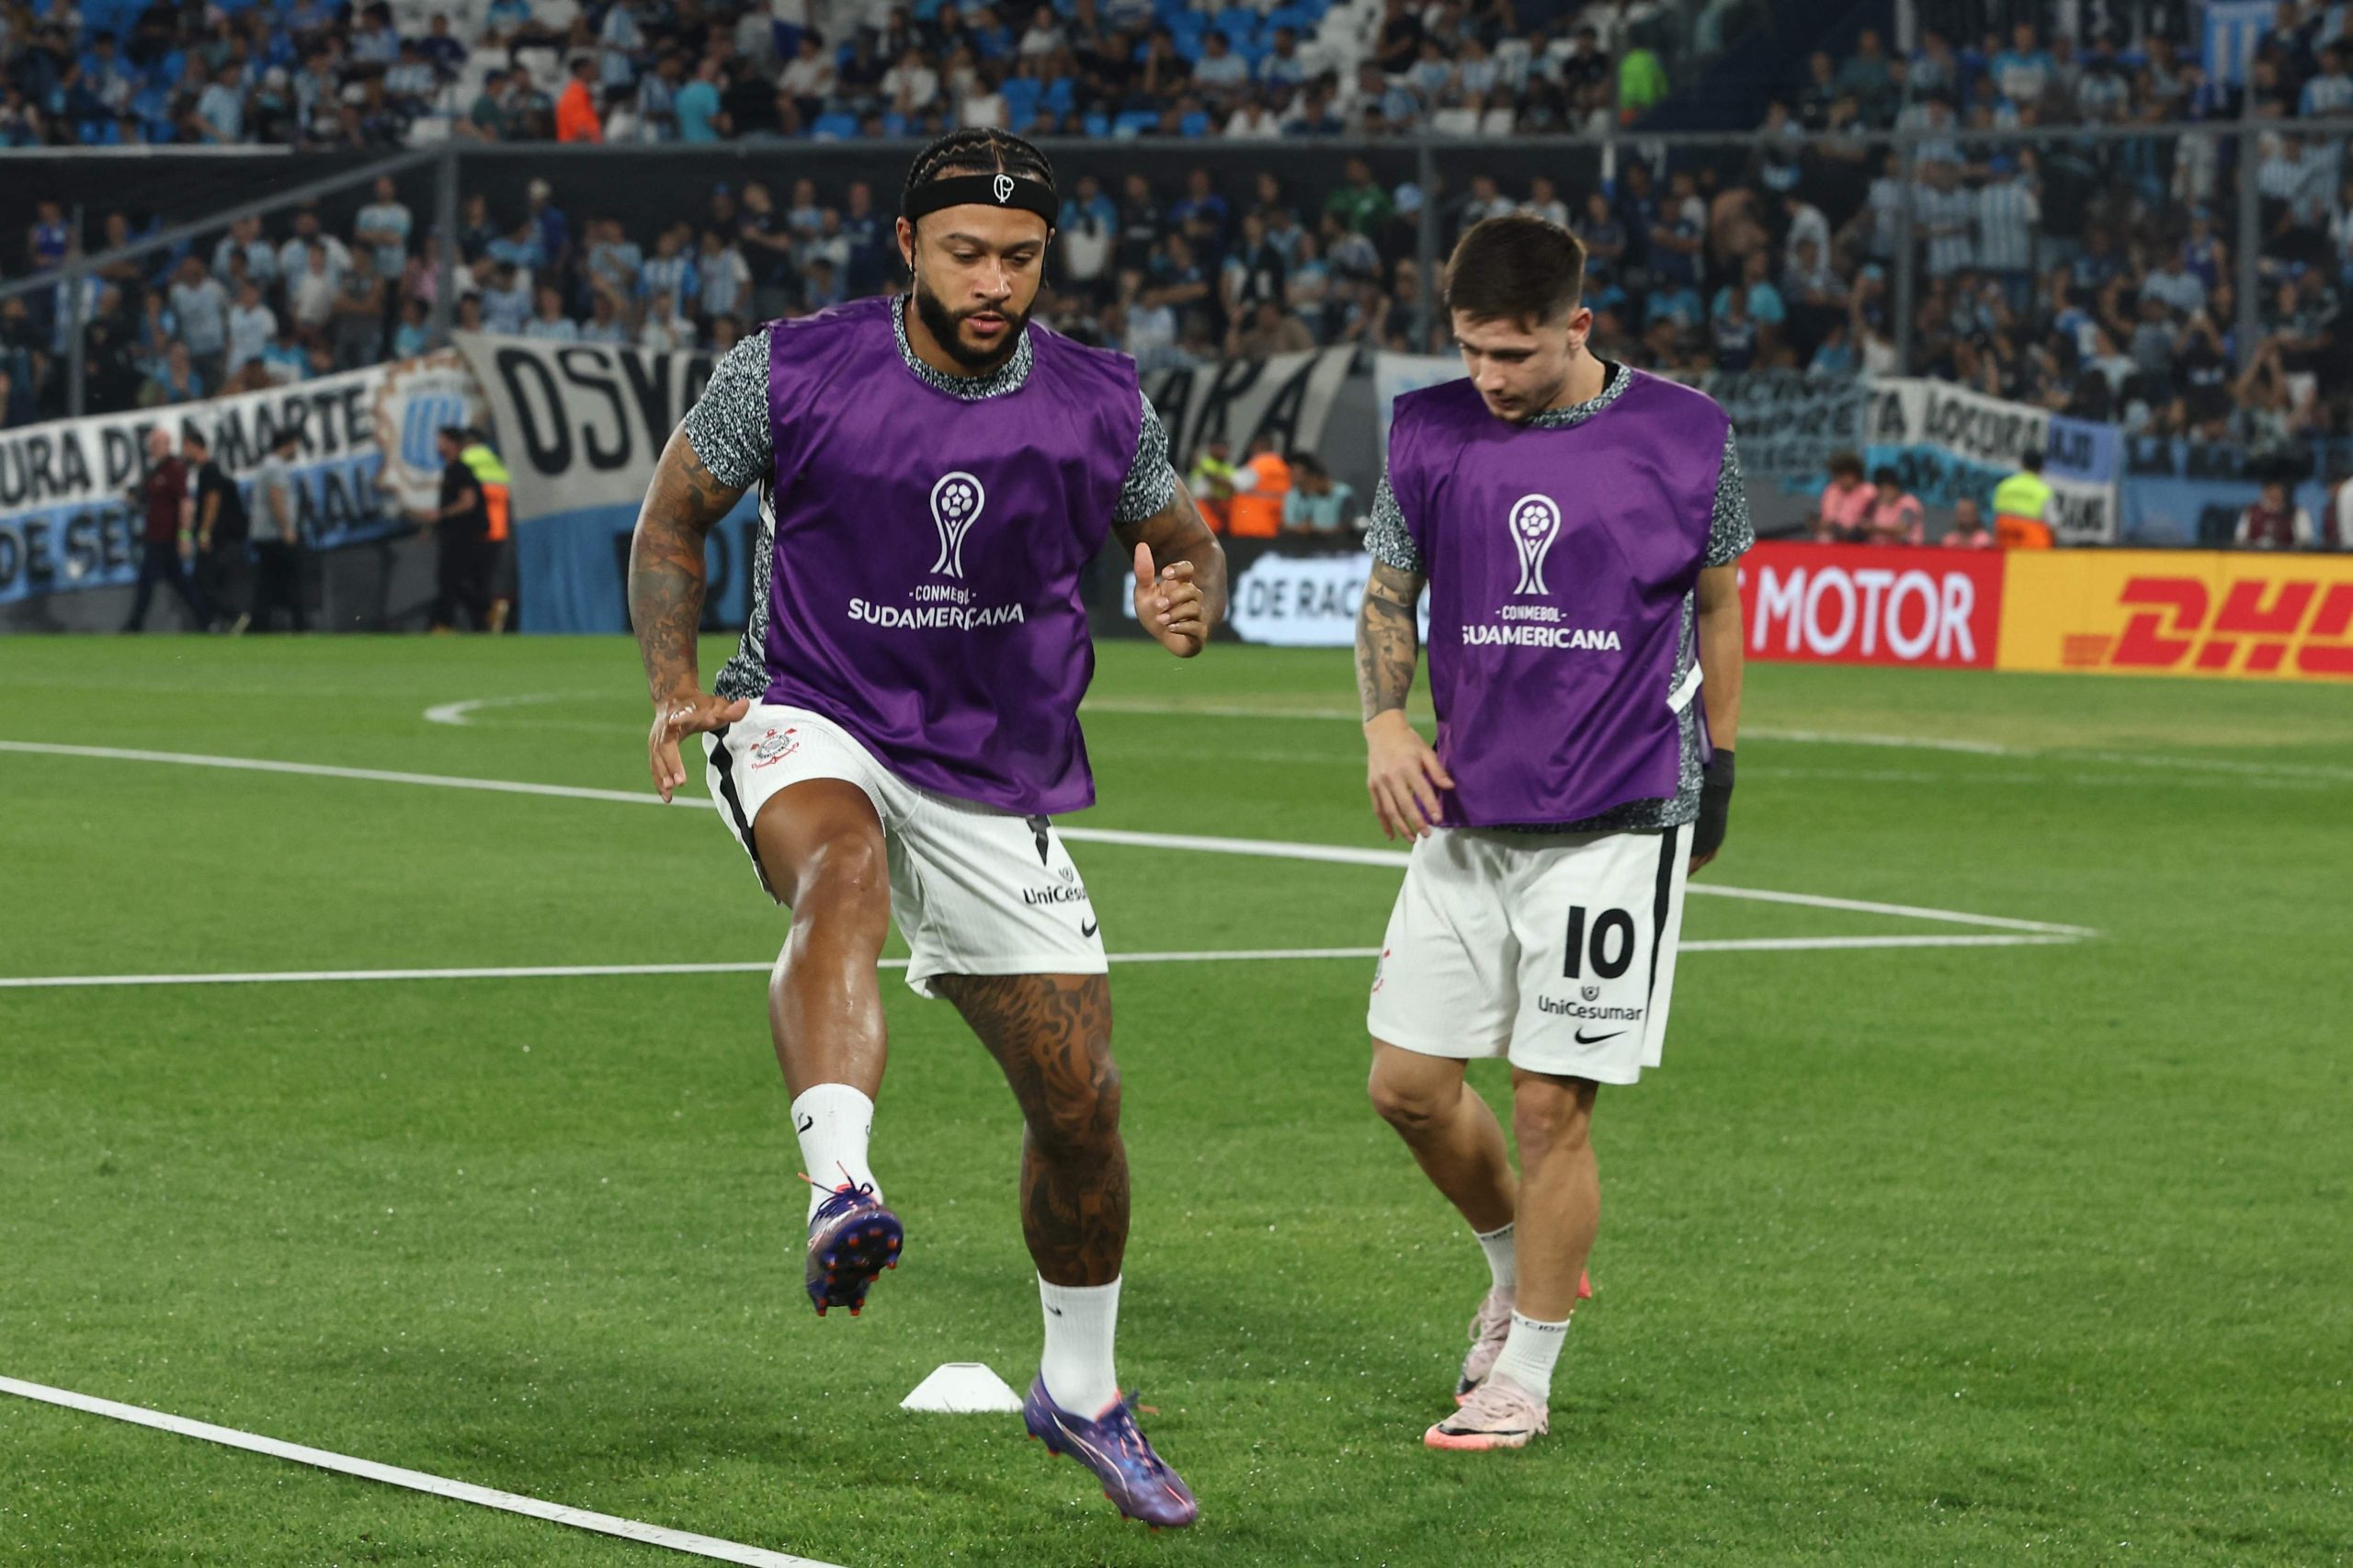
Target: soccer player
1577,524
902,721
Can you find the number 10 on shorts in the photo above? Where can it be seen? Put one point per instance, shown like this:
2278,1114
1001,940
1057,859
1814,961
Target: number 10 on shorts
1610,947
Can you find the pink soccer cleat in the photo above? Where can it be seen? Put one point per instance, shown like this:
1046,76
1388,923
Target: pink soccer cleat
1499,1414
1490,1326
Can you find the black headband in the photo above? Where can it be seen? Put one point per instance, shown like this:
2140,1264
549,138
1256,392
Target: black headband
982,190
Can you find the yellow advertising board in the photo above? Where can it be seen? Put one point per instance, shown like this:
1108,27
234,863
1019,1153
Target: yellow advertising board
2228,613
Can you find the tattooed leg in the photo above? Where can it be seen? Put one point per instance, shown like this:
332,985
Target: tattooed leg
1052,1034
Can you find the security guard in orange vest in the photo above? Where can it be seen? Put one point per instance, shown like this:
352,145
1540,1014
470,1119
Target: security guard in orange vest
1260,486
498,560
2022,507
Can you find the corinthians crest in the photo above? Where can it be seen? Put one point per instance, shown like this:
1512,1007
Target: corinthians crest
956,502
1535,523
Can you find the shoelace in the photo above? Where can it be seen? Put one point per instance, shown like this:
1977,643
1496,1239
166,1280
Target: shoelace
1126,1437
1491,1402
842,1197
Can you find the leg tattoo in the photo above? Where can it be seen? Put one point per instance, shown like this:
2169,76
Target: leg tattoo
1052,1034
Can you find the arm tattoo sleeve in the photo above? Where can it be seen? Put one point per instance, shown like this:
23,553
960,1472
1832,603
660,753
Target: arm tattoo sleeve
666,565
1388,638
1176,532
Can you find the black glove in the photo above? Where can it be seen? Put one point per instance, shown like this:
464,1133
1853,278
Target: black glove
1715,805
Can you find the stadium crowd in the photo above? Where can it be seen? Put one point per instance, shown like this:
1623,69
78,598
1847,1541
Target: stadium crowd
2090,278
377,74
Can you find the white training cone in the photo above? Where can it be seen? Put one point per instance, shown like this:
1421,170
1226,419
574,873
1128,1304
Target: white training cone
963,1388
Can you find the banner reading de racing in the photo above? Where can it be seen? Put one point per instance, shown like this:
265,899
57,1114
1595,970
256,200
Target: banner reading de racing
68,521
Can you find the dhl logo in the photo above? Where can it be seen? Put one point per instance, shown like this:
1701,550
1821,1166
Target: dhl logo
2175,625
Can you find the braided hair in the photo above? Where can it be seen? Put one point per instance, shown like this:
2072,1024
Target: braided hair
978,150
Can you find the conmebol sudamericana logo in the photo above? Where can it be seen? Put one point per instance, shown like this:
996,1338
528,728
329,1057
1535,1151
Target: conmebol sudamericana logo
956,502
1535,524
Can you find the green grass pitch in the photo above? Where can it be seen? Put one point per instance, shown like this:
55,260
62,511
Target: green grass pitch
1926,1255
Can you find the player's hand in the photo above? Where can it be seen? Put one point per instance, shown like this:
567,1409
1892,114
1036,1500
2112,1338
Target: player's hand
1170,604
694,713
1403,775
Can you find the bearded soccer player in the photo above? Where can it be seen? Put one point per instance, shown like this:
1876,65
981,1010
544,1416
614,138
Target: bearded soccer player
902,721
1577,524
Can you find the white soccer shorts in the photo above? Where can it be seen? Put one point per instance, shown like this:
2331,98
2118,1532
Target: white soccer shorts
1554,950
974,889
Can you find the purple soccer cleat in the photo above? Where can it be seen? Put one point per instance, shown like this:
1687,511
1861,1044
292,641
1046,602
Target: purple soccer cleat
1134,1479
852,1239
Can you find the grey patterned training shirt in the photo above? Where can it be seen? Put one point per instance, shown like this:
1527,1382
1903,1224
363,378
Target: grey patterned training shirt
728,429
1730,533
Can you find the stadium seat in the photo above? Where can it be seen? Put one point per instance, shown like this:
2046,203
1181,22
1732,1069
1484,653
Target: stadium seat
1134,123
1097,125
1021,95
1195,124
834,127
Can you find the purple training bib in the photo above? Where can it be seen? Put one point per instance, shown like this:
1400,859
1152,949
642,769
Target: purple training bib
925,588
1558,562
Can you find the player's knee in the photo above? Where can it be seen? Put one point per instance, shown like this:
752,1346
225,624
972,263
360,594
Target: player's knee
1548,1115
1413,1104
1079,1120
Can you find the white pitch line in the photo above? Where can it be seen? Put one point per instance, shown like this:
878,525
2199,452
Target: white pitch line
414,1480
569,971
1902,911
578,970
366,774
461,713
1804,737
1831,944
1332,854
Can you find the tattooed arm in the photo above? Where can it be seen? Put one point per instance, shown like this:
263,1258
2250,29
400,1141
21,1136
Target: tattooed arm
1185,602
665,587
1401,773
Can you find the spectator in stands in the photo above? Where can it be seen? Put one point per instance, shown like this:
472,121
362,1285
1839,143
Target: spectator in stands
1969,530
551,324
413,334
2274,521
201,306
1895,515
356,318
1844,510
506,298
1266,330
174,381
1318,506
578,109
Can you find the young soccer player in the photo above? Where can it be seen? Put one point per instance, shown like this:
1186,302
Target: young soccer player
1576,523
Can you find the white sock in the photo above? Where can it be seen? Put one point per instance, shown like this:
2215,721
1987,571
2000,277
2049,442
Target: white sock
1080,1322
1532,1352
1503,1258
834,1121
